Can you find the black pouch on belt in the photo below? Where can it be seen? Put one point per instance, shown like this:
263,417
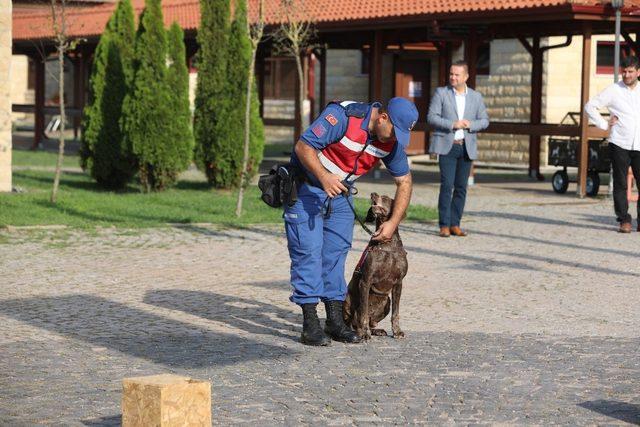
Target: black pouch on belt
281,185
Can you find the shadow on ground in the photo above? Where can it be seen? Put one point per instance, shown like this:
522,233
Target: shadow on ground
250,315
627,412
138,333
112,421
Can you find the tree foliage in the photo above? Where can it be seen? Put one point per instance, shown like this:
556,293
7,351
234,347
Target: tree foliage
104,151
240,65
212,102
149,121
223,74
178,84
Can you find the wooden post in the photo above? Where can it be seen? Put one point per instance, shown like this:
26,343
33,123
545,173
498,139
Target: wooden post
38,134
165,401
444,62
323,78
584,121
375,67
536,108
78,88
260,77
471,56
297,123
311,86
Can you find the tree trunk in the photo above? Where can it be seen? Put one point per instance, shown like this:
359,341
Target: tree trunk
247,136
56,179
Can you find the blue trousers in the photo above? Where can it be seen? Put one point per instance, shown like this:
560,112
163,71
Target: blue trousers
318,246
454,175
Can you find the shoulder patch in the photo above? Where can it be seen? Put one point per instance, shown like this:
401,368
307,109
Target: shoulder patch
319,130
331,119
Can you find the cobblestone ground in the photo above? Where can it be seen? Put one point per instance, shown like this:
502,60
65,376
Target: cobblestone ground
531,319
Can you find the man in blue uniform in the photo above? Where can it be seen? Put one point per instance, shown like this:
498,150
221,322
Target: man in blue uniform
343,143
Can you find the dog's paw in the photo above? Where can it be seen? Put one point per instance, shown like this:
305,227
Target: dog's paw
379,332
398,334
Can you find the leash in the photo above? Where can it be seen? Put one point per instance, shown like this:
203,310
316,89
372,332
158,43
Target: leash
351,190
327,208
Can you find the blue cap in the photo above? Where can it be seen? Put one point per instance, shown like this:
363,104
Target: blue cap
404,115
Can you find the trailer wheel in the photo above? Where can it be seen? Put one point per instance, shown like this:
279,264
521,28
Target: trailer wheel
593,184
560,182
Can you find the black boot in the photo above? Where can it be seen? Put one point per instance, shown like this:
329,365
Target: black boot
335,326
312,333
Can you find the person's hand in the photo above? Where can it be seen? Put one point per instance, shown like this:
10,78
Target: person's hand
332,184
385,232
612,121
461,124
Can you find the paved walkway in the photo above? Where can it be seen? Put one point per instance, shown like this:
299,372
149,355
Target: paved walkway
531,319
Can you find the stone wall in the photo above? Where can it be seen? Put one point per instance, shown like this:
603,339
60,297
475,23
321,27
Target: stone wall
5,95
564,77
20,93
507,95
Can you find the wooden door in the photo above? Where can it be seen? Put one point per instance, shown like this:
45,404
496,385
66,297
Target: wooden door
412,81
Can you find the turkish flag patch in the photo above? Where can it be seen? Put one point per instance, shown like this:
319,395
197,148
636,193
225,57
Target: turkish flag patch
319,130
331,119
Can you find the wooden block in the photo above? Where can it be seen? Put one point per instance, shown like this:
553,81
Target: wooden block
165,401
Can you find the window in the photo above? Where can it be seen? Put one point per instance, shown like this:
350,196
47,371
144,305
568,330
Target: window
605,51
483,64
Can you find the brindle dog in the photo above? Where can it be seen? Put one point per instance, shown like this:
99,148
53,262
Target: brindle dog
376,285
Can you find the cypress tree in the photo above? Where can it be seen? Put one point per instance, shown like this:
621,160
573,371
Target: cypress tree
213,154
104,152
147,115
238,73
178,84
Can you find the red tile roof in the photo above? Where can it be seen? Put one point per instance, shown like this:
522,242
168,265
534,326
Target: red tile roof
87,21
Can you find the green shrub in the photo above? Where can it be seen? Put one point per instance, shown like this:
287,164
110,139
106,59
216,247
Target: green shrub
212,104
104,152
238,72
149,119
178,84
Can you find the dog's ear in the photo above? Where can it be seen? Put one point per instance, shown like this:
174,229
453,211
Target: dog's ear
370,216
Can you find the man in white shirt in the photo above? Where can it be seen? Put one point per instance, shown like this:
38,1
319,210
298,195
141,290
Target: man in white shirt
623,101
456,114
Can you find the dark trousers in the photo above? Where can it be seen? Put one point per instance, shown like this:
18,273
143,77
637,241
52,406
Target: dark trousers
454,175
621,159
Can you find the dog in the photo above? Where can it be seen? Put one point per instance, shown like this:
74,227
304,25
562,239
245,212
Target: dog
376,284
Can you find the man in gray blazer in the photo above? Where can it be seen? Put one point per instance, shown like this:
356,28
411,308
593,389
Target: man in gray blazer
456,113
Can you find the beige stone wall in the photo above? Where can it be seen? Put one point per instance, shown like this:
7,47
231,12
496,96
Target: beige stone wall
344,80
507,94
20,93
5,95
563,77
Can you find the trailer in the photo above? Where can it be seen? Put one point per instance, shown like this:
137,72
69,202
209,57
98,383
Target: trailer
563,152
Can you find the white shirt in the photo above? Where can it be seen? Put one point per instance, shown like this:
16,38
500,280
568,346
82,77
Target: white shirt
461,99
624,103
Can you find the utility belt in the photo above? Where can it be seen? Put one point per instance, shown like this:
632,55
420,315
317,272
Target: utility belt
280,186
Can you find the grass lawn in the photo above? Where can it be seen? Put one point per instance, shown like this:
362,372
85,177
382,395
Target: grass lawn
41,159
82,204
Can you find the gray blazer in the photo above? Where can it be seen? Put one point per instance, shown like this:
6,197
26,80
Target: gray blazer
443,114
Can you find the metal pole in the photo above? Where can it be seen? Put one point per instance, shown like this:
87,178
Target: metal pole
616,69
